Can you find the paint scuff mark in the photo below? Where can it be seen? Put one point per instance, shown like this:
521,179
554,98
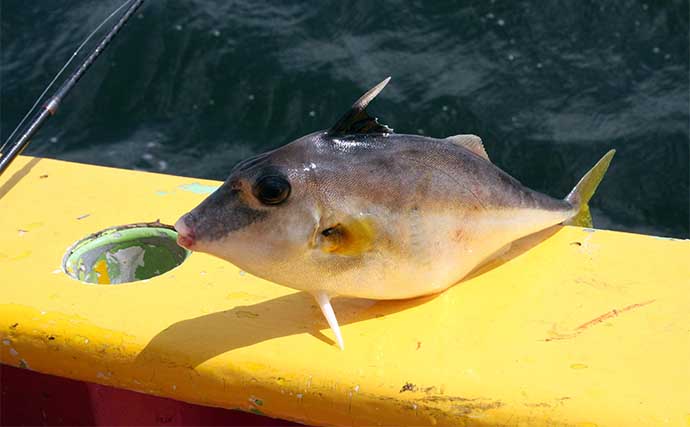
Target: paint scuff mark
538,405
197,188
408,387
101,269
161,193
23,364
606,316
464,406
473,408
44,176
243,314
80,217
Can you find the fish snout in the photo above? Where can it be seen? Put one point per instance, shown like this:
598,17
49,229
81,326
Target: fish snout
185,233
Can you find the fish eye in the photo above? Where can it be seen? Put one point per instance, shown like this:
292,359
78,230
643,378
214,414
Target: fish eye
272,190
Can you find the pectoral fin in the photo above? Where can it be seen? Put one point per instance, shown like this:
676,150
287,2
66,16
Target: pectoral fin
350,237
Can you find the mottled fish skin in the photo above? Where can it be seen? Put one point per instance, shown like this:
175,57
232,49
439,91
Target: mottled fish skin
438,210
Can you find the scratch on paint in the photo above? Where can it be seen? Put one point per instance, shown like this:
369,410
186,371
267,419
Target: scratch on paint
197,188
608,315
611,314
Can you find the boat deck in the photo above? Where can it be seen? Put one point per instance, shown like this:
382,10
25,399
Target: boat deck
570,327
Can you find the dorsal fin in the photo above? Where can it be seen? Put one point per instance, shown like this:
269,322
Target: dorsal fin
471,142
356,120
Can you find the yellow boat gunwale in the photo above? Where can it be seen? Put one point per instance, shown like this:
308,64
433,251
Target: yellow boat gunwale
570,327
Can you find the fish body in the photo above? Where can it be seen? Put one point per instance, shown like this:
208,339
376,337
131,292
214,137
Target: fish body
360,211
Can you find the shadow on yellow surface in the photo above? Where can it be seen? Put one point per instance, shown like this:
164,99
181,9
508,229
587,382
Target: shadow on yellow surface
17,176
516,249
199,339
202,338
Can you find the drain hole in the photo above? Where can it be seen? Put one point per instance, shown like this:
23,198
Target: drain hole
124,254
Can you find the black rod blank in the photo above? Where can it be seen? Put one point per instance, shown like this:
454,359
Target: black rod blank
52,105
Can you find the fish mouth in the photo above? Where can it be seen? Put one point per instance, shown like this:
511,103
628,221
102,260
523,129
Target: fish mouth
185,234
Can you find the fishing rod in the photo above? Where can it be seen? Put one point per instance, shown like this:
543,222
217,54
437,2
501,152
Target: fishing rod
52,105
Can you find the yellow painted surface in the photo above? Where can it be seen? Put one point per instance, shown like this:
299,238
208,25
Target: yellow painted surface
569,328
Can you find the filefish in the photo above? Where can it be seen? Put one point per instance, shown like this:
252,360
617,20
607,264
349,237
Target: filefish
360,211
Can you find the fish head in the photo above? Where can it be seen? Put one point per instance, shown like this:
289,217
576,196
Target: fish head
262,218
292,214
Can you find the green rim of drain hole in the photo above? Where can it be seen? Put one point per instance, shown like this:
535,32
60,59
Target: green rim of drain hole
124,254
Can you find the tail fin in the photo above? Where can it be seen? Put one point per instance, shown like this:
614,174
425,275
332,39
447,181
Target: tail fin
584,190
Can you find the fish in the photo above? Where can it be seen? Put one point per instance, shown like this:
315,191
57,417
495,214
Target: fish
358,210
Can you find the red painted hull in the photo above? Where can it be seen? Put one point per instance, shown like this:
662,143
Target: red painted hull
30,398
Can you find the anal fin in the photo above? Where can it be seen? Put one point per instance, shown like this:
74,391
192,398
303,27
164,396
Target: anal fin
324,302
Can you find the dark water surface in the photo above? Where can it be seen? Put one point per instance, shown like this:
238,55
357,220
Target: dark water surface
191,87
